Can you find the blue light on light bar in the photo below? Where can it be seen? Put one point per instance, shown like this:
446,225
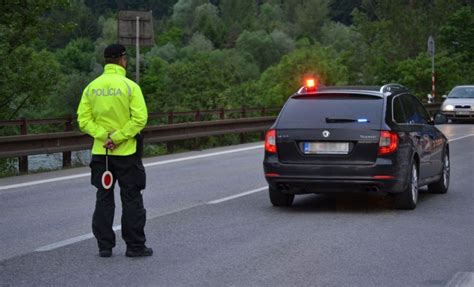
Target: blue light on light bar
362,120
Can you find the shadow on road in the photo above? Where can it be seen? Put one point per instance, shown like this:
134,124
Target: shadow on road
353,203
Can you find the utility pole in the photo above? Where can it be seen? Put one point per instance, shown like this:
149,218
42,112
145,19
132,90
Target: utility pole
137,46
431,52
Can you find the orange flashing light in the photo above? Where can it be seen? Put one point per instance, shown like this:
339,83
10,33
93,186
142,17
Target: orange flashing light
311,85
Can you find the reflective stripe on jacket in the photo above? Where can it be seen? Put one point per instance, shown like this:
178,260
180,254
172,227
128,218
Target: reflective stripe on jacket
112,104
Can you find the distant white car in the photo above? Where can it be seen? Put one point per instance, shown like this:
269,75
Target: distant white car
459,104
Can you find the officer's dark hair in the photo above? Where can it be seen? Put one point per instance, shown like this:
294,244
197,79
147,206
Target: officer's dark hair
113,60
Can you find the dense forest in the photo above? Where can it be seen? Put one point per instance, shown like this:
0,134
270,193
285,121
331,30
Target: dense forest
229,53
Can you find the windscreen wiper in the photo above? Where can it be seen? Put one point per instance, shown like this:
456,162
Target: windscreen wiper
343,120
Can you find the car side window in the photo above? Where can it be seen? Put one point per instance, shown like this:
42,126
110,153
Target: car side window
424,116
398,114
409,109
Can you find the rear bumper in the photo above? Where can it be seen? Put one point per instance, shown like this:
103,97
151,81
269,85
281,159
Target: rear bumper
382,176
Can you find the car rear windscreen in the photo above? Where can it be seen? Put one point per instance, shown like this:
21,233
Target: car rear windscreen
332,110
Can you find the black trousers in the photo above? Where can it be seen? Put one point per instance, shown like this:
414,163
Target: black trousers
130,174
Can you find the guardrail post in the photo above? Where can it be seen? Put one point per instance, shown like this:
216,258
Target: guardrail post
222,114
170,145
197,118
67,154
262,134
243,114
23,160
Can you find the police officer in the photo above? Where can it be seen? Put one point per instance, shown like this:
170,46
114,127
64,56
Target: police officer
113,111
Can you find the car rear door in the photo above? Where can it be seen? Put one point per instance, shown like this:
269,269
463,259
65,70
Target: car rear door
420,133
330,129
433,146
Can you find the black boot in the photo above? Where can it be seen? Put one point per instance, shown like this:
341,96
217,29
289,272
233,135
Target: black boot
140,252
105,253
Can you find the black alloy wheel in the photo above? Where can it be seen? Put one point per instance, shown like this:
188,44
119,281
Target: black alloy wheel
409,197
442,185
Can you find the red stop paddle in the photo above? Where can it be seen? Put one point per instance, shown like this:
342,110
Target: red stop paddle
107,177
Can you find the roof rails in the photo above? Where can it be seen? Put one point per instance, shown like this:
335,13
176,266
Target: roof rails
389,88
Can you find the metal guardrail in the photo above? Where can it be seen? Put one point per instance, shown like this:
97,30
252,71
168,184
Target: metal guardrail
65,142
170,117
24,145
432,108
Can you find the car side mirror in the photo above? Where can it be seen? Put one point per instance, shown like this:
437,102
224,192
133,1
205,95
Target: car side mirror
444,96
440,119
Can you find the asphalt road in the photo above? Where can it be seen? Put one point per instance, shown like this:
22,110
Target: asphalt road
210,223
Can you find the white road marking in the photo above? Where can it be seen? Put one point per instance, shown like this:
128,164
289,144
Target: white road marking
237,195
12,186
90,235
71,241
462,279
460,138
260,146
87,236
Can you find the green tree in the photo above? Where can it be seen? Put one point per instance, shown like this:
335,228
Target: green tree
310,17
22,21
261,46
27,79
280,81
75,20
243,12
341,10
416,74
183,14
28,74
208,22
173,35
458,33
78,55
271,17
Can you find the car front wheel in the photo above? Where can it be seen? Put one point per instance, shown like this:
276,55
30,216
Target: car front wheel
279,198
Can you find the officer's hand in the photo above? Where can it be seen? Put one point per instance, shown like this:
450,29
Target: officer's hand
109,144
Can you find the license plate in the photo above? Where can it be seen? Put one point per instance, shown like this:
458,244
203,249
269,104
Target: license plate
326,147
462,113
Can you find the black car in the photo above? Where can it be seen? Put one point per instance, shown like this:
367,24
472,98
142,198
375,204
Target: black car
369,139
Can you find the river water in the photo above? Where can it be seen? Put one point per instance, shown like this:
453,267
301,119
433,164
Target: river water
55,161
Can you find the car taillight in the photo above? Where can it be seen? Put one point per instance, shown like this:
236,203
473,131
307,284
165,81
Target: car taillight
270,141
388,142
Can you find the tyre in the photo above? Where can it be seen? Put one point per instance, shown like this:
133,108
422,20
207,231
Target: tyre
278,198
409,197
442,185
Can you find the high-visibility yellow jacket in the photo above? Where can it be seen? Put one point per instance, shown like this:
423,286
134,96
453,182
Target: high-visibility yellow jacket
112,105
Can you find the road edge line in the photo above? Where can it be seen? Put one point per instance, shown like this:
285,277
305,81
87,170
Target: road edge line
217,201
30,183
460,138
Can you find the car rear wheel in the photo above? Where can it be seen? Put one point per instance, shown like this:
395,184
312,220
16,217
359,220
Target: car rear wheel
409,197
441,186
279,198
